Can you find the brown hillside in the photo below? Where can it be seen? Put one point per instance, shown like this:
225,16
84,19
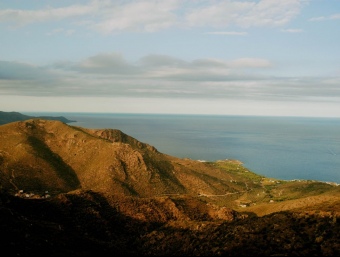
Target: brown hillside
44,155
71,191
41,155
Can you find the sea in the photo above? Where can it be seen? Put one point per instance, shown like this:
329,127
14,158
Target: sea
285,148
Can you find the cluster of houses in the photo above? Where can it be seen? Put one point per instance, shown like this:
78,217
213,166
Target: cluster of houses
23,194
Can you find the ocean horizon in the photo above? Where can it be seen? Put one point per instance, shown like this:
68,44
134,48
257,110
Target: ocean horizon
279,147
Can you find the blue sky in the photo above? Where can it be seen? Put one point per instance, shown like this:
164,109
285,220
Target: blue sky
246,57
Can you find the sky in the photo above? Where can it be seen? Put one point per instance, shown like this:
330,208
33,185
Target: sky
230,57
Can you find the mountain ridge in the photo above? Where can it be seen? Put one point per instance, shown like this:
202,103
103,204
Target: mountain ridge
103,155
109,193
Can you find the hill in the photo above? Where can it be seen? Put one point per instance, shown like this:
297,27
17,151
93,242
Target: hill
67,190
7,117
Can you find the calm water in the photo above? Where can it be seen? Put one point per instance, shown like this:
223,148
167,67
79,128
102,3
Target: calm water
278,147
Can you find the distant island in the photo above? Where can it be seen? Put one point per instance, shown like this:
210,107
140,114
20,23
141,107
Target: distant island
7,117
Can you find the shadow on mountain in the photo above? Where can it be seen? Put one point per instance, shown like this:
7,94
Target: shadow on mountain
63,170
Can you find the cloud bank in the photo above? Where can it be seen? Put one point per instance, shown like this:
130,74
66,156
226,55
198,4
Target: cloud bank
162,76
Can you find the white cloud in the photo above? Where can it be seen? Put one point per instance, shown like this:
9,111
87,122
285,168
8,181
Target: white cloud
228,33
292,30
245,14
154,15
147,16
323,18
57,31
250,62
104,16
23,17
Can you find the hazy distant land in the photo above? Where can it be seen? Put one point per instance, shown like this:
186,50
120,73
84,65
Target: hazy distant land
6,117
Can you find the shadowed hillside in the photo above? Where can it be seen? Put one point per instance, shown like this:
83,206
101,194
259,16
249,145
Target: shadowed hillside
68,190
